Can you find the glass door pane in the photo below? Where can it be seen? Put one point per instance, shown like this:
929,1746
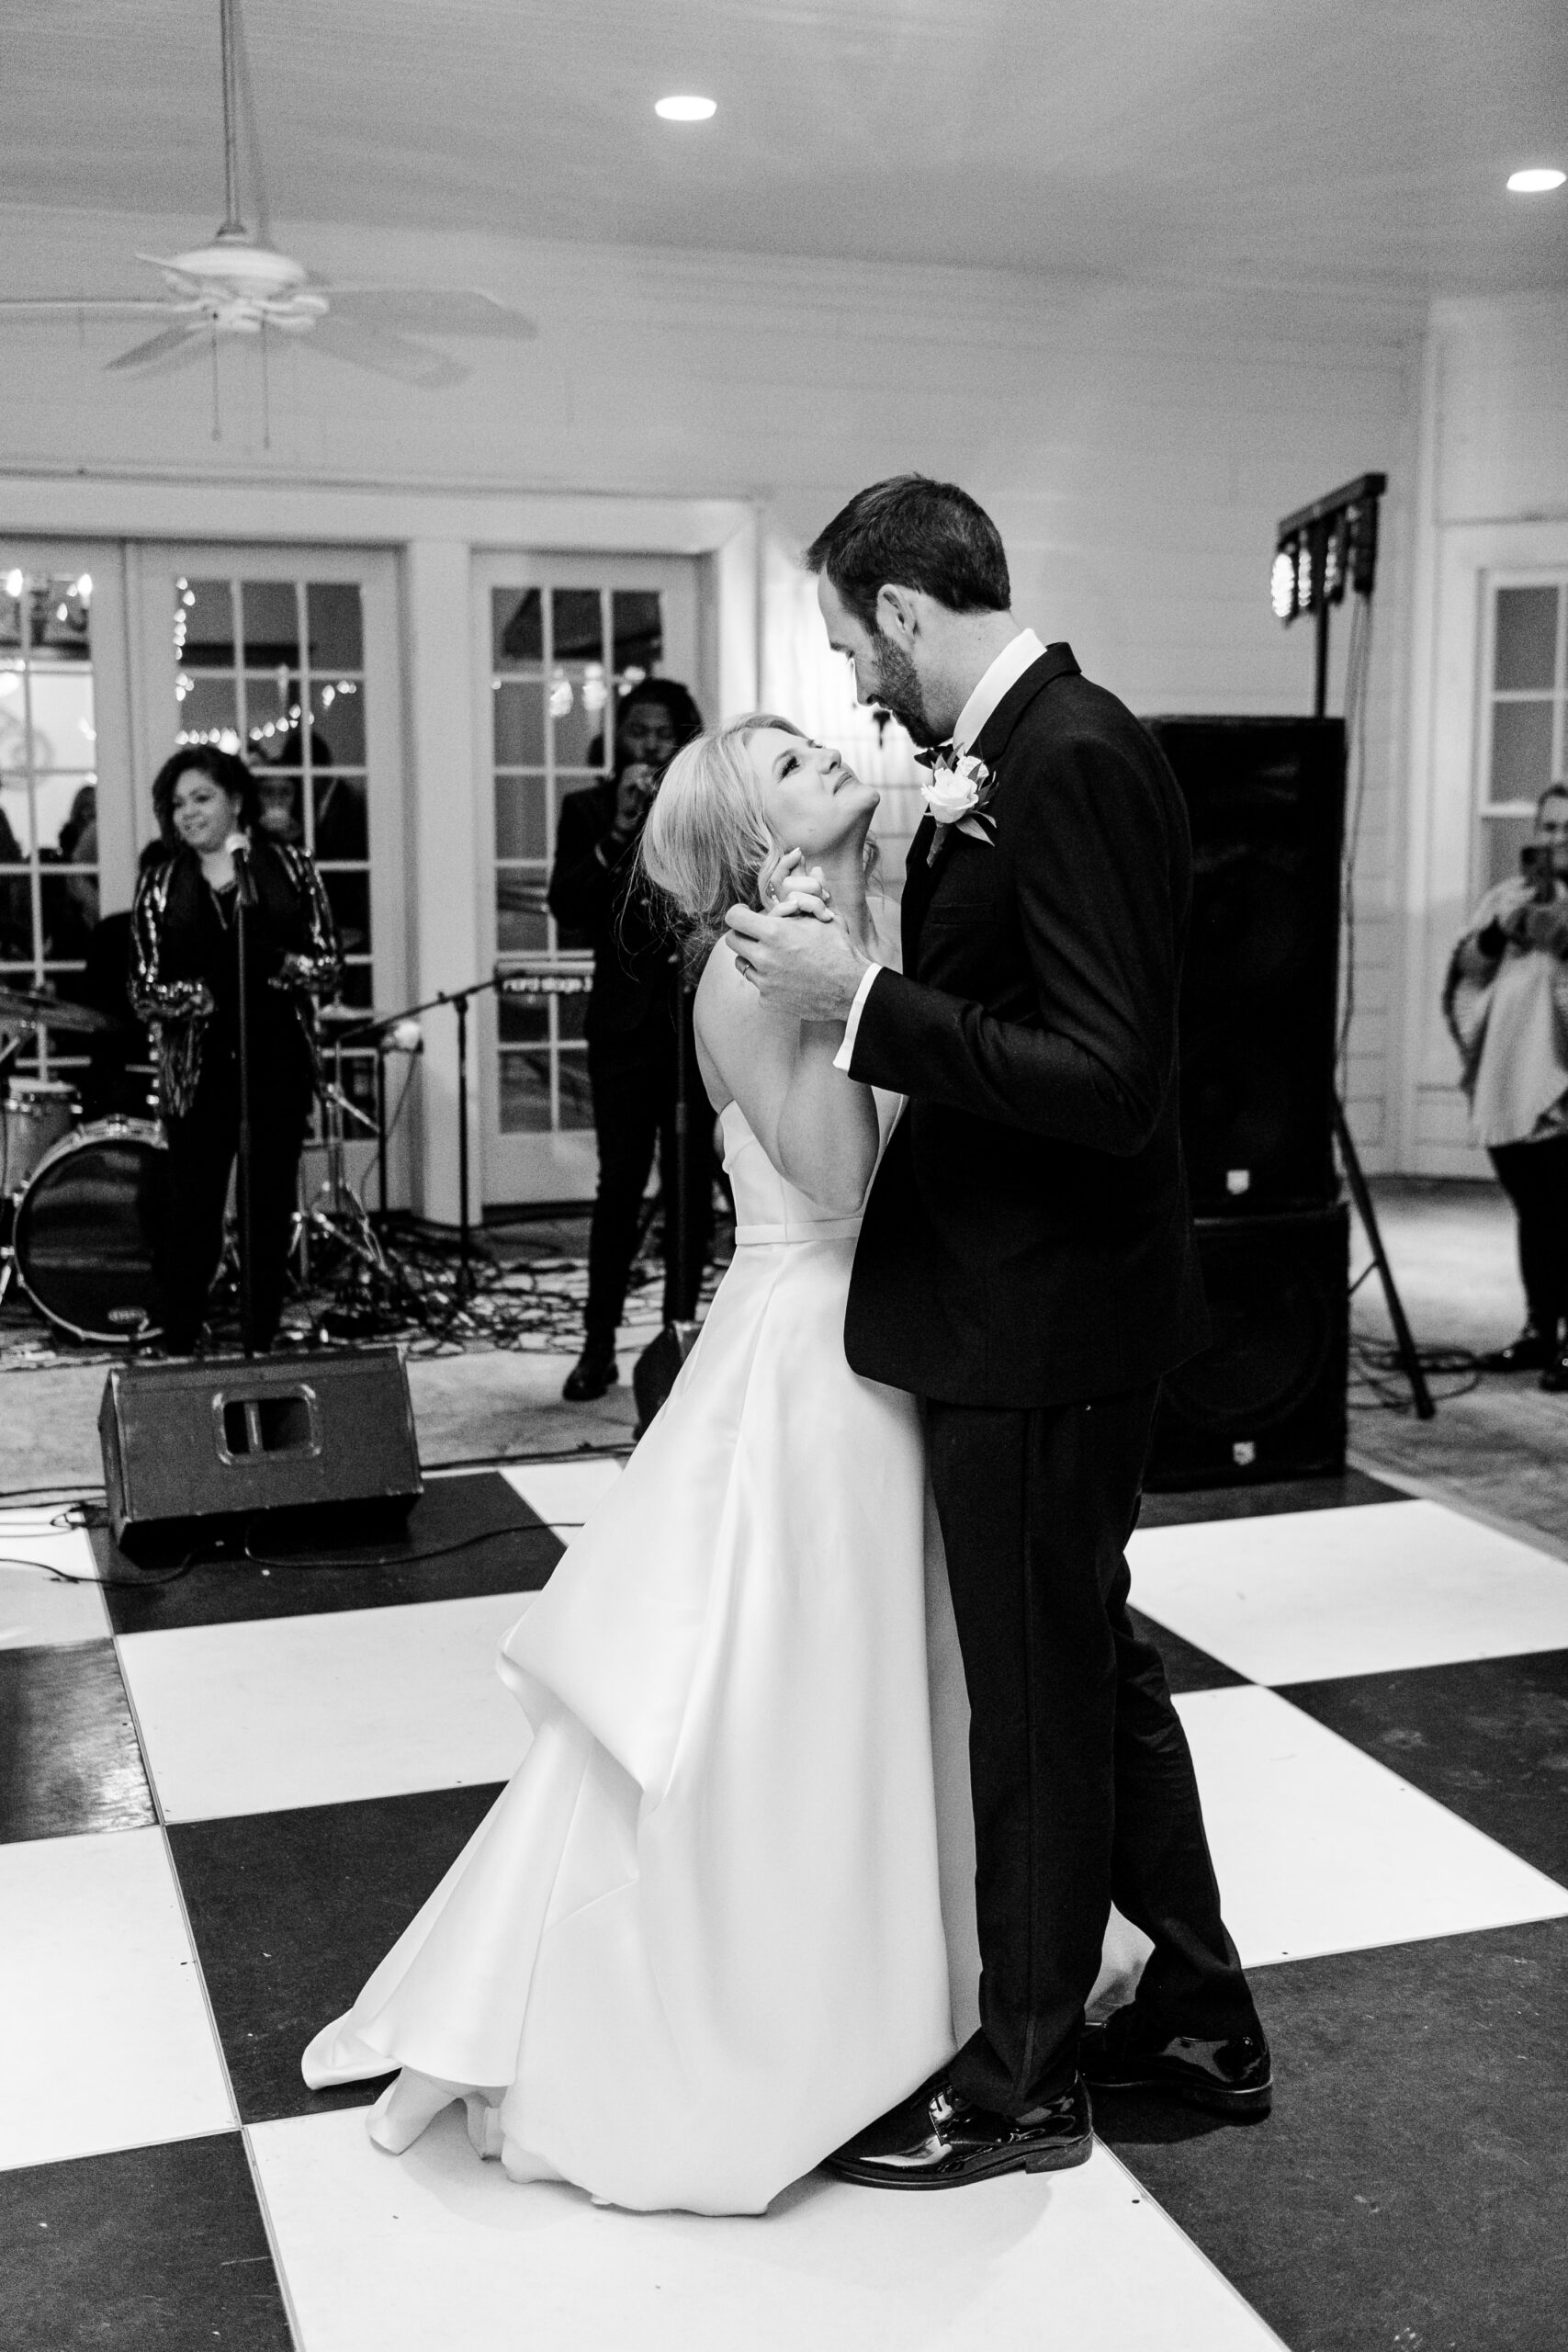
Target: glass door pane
565,640
50,892
1527,715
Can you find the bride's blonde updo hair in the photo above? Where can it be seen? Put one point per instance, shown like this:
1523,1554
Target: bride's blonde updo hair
707,839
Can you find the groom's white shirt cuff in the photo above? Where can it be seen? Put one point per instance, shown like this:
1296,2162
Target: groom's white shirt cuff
845,1054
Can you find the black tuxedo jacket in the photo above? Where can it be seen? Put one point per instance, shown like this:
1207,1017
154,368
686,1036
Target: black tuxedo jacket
1028,1239
635,973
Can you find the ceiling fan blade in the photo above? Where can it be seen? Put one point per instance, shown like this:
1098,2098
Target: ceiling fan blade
81,302
384,355
176,345
431,310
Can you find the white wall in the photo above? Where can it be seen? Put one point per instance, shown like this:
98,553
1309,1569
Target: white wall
1492,495
1135,447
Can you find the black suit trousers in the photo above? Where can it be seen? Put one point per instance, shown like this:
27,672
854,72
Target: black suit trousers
633,1083
1083,1791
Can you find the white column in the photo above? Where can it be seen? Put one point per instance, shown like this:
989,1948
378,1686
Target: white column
444,860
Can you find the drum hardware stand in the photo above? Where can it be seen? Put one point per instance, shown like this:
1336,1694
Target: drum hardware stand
244,898
1320,550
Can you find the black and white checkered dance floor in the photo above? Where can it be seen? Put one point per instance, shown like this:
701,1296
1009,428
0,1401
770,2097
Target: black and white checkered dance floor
222,1798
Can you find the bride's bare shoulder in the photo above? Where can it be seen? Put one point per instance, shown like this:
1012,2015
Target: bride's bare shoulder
736,1035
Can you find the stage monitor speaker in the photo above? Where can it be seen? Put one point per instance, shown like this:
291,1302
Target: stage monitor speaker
227,1436
1265,802
1267,1398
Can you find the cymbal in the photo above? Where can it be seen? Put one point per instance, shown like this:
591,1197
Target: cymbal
22,1008
355,1016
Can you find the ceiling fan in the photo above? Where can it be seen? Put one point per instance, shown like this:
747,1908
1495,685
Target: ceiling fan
239,286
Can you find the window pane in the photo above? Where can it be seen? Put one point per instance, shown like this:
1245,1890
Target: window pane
348,895
207,709
356,989
16,926
63,808
343,825
521,926
524,1021
517,626
282,797
1526,637
337,727
576,1101
270,613
204,624
10,619
519,723
62,718
639,631
334,625
1521,750
571,1013
573,724
1502,840
577,620
520,817
57,619
525,1094
70,914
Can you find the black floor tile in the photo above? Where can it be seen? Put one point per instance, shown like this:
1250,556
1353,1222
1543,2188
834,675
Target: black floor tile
1410,2187
464,1536
1488,1737
1259,1501
292,1911
149,2250
70,1760
1187,1667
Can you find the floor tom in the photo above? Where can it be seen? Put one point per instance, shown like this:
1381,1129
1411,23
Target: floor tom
34,1116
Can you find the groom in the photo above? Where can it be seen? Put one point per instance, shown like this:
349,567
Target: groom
1027,1267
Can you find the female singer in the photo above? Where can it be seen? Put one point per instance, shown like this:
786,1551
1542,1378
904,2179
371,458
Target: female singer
185,986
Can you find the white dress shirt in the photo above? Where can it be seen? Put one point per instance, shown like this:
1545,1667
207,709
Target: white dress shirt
1004,672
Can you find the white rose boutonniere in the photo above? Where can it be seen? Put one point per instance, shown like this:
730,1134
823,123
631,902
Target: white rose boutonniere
958,791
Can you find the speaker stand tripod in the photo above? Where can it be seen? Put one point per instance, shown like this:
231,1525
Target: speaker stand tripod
1349,517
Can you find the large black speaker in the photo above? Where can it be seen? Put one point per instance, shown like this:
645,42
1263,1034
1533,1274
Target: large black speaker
200,1440
1266,801
1267,1399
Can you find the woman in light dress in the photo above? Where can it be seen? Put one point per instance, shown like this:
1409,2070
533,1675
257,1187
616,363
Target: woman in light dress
699,1941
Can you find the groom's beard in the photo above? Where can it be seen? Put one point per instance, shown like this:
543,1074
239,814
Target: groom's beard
900,694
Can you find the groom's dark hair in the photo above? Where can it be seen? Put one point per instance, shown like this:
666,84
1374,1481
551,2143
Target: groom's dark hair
911,532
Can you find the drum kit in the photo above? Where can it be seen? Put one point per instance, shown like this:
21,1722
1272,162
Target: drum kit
82,1200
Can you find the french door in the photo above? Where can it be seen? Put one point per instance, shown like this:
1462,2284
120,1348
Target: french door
561,641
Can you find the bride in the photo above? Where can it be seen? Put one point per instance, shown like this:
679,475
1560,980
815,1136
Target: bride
698,1941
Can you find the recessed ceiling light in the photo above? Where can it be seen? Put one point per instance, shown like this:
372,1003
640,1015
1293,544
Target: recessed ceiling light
1534,183
686,109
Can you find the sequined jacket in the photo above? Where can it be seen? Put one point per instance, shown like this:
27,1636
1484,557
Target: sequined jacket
296,925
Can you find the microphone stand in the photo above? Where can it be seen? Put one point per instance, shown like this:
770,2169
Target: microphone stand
244,898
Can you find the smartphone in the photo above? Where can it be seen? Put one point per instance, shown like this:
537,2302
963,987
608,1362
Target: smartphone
1538,864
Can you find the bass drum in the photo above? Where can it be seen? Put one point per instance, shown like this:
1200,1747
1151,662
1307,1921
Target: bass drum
87,1226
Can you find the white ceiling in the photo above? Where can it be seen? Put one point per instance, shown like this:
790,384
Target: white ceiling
1207,141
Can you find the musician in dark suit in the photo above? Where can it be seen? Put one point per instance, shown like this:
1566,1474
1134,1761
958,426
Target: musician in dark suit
1027,1266
638,998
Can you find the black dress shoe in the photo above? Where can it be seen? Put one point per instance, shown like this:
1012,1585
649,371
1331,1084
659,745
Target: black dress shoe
937,2140
1533,1351
1233,2078
594,1371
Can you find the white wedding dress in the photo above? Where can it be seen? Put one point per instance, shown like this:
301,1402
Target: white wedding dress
699,1941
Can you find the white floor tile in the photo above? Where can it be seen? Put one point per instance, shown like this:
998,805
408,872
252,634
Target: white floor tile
105,2040
34,1609
563,1493
295,1711
1308,1596
431,2251
1319,1848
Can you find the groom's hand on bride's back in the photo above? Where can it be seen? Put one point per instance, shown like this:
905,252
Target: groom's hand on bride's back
809,969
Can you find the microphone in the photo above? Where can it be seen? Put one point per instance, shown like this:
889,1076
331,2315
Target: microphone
239,848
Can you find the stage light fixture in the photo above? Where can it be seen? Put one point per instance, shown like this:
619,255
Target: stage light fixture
1321,550
1282,584
686,109
1536,182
